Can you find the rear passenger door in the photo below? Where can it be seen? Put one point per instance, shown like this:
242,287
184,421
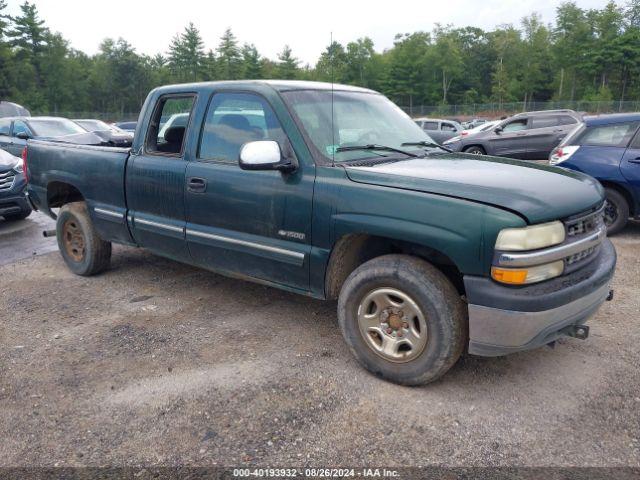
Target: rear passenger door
630,166
546,132
155,180
254,223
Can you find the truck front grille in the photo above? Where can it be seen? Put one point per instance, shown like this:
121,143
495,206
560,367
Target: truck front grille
578,227
6,180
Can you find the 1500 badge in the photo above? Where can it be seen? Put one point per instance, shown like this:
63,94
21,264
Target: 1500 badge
294,235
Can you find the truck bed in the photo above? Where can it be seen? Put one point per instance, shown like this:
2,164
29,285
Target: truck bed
96,174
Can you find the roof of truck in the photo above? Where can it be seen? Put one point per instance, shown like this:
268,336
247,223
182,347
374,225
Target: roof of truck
280,85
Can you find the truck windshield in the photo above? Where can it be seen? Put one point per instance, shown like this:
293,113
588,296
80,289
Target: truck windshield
54,127
359,118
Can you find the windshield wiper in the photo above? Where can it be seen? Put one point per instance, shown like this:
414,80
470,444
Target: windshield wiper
423,143
382,148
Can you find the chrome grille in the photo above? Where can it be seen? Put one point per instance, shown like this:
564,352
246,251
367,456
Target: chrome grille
6,180
585,223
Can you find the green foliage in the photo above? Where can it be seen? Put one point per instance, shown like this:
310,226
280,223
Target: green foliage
586,54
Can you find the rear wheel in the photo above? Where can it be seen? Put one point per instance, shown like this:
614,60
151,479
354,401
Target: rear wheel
475,150
616,211
84,252
402,319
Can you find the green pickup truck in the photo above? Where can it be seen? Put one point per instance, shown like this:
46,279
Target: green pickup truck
333,192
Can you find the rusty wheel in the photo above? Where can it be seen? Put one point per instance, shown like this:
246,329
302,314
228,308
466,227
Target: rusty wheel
74,242
84,252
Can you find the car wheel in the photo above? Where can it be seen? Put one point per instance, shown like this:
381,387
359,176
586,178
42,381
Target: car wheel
19,216
475,151
84,252
616,211
402,319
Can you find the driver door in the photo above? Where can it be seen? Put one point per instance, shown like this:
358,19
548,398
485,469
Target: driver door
512,140
253,223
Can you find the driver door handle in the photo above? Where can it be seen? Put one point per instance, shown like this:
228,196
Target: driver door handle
196,185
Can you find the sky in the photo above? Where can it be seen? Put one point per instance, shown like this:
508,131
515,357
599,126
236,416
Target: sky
306,26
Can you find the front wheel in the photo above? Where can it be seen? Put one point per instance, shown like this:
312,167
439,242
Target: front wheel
84,252
475,150
616,211
402,319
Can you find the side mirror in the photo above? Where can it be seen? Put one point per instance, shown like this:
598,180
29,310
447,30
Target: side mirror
498,130
264,155
23,136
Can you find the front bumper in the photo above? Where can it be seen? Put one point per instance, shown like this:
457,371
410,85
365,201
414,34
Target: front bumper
505,319
13,205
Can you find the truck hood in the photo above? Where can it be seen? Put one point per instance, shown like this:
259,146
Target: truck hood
539,193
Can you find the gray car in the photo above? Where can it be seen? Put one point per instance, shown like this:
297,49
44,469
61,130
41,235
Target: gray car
16,131
529,135
439,130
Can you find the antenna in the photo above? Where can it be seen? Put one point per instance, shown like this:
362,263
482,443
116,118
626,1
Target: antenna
333,131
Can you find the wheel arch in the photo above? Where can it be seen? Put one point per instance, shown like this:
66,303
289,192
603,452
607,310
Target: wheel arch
622,190
353,249
60,193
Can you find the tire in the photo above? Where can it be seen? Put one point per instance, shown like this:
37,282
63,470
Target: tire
616,211
475,150
84,252
443,313
18,216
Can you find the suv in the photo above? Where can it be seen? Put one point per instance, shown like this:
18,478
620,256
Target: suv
529,136
13,203
607,148
439,130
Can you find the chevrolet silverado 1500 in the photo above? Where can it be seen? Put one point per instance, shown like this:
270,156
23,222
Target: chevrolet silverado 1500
333,192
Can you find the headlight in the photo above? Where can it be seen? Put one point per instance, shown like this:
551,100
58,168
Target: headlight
18,167
531,238
522,276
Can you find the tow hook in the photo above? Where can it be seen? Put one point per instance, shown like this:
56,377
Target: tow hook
49,233
580,332
610,296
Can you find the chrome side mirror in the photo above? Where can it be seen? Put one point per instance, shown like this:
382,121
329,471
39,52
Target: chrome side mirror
263,155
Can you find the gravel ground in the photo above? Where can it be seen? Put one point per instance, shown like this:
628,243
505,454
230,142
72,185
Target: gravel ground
157,363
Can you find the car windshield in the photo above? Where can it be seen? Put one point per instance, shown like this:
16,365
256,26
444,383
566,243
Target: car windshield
54,127
95,125
359,119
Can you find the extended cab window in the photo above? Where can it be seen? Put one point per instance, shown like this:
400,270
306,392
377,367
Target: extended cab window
168,126
615,135
516,125
234,119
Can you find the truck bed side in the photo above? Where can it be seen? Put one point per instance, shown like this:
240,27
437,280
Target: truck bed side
59,173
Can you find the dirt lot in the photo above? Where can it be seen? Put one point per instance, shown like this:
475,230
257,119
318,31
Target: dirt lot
154,362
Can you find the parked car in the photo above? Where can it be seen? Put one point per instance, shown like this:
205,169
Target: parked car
471,124
370,213
607,147
439,130
473,131
16,131
13,203
9,109
530,135
110,134
129,127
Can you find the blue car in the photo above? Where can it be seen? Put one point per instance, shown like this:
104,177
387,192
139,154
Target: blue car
607,147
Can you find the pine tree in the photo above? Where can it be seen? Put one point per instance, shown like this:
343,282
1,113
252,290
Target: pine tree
252,63
287,64
229,57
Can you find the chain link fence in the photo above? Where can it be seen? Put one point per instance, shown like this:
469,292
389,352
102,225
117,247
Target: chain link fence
497,110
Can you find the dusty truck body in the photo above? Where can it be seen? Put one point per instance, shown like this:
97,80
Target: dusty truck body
335,193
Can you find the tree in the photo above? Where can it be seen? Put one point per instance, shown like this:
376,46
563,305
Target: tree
287,64
229,57
187,59
252,62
